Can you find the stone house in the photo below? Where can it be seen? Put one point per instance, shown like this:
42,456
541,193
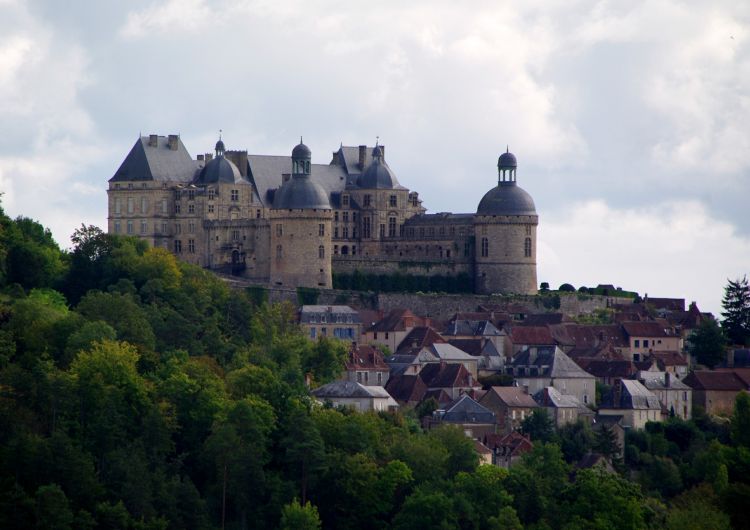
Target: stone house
634,402
674,395
365,365
393,328
715,390
408,389
474,419
562,408
510,404
355,395
507,449
453,379
648,337
537,368
338,321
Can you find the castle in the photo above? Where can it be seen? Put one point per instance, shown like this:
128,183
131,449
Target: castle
285,221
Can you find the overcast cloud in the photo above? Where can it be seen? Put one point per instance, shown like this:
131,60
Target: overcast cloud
629,119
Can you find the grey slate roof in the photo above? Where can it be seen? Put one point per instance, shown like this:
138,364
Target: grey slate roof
550,362
552,397
507,198
349,389
466,410
633,395
145,162
220,170
378,176
301,192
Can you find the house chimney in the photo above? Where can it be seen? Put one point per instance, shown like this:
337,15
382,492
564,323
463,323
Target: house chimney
173,142
239,159
362,156
667,379
208,157
153,139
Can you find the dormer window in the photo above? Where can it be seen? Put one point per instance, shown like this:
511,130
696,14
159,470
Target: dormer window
345,200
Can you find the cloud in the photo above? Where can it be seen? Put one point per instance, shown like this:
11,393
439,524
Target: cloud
172,16
672,249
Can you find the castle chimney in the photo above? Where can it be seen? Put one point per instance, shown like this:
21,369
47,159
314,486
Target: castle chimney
200,158
667,379
362,156
173,142
208,157
153,139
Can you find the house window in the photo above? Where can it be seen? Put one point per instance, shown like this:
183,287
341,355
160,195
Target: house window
336,232
117,227
367,200
485,247
345,232
645,343
321,229
354,216
191,208
144,226
382,230
177,228
321,252
366,227
191,246
391,227
279,230
527,247
211,194
392,201
637,343
130,227
380,378
528,230
177,246
235,195
335,216
164,228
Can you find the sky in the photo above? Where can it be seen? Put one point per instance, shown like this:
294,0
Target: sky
630,120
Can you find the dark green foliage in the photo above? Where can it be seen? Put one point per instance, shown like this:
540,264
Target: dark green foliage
707,343
539,426
307,295
566,288
736,305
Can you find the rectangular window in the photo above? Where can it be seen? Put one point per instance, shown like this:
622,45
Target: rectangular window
177,207
191,227
235,235
645,343
191,195
164,228
637,343
211,194
345,232
144,204
118,205
336,232
391,227
191,246
279,230
117,227
191,208
382,230
366,201
177,246
131,205
345,200
235,195
321,229
210,208
130,227
177,228
366,227
164,206
392,202
312,332
257,214
345,217
335,216
354,216
144,226
485,247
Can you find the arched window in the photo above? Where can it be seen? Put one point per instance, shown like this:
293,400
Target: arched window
321,252
485,247
527,247
279,252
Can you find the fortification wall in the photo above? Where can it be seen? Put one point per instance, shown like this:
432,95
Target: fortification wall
404,265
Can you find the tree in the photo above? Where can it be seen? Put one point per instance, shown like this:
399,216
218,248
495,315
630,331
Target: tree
567,288
296,516
52,508
605,442
544,286
741,420
426,509
706,343
538,426
736,304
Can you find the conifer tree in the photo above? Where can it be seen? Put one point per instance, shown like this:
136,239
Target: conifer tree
736,304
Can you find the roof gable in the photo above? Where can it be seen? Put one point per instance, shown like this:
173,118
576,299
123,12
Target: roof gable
157,161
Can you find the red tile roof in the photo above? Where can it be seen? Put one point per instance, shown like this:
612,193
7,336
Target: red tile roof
420,337
365,357
398,320
645,329
512,444
531,336
406,388
513,396
715,380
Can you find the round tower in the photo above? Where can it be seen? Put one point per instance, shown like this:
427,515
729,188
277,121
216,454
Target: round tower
505,231
301,218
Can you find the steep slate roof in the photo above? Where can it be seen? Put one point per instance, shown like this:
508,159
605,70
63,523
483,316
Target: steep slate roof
669,358
550,362
406,388
551,397
160,163
313,313
657,381
513,396
471,346
400,362
466,410
349,389
633,395
448,352
471,328
715,380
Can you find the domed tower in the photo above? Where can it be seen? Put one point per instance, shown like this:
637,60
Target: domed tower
301,219
505,231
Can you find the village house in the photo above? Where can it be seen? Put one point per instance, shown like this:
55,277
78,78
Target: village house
339,321
474,419
393,328
510,404
645,338
675,396
715,390
355,395
634,402
507,449
365,365
562,408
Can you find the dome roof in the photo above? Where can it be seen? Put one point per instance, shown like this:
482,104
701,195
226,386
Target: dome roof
507,161
506,199
300,192
377,176
301,151
220,170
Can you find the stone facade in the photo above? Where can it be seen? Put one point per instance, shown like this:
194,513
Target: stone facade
224,211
